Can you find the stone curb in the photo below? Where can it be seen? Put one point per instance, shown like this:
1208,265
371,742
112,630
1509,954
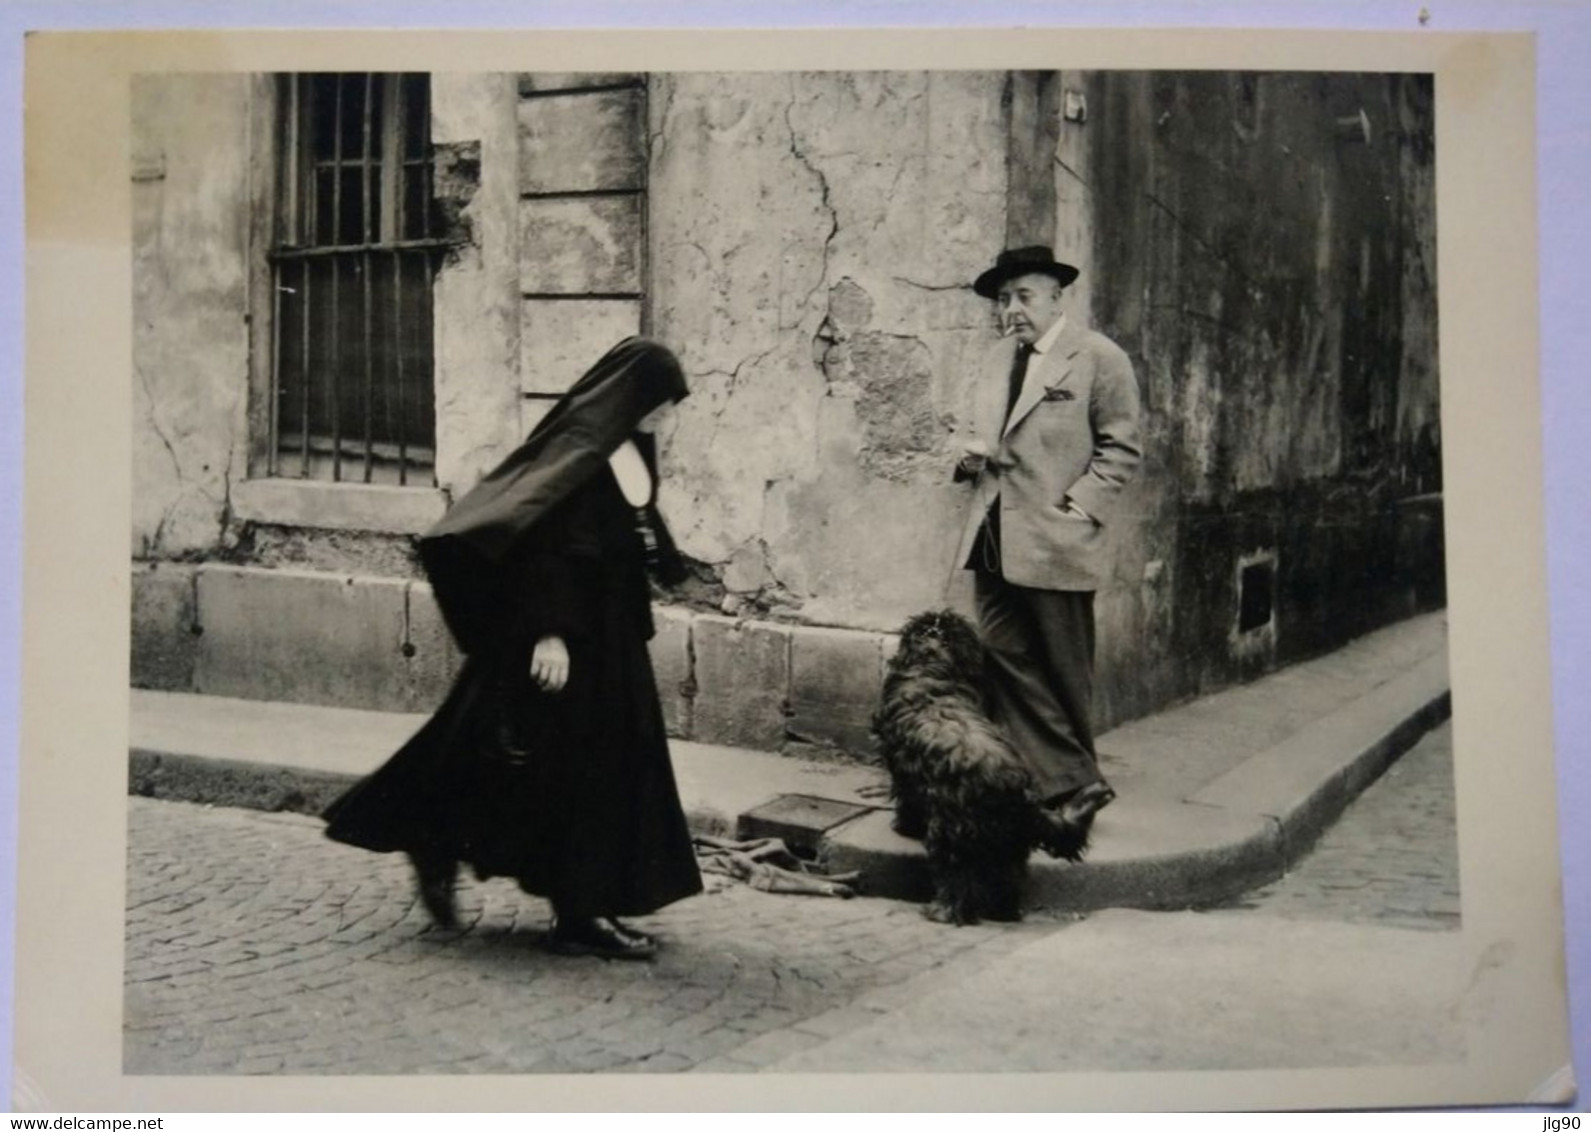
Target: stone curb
1239,832
208,780
211,781
1235,833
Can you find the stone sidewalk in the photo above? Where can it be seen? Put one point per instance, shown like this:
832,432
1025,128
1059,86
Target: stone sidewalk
1355,958
1217,796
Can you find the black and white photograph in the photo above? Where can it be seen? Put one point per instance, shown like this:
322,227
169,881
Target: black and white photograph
793,570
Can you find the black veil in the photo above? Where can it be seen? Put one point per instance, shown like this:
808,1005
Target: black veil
466,553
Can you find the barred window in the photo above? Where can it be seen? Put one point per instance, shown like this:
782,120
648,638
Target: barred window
353,262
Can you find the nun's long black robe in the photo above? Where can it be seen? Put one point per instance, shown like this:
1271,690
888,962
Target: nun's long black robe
571,793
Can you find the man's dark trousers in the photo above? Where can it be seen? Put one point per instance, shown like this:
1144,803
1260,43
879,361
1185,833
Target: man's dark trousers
1040,650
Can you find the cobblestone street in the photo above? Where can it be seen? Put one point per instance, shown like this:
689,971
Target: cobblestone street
257,946
1392,858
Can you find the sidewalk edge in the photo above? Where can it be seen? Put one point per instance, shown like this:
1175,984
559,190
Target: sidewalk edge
1265,827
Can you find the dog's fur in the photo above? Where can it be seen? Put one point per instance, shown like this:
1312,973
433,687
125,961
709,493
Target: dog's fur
955,780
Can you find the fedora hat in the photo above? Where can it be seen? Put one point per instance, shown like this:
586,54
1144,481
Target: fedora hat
1023,261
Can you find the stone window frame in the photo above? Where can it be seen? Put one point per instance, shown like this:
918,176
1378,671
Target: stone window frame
261,496
488,268
355,224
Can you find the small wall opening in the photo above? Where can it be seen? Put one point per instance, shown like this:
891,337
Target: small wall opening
1256,595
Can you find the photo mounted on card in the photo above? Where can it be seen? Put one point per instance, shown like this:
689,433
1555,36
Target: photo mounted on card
665,564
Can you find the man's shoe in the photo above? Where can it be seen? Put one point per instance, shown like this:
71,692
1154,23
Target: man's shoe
909,822
1082,806
1068,820
599,936
1062,839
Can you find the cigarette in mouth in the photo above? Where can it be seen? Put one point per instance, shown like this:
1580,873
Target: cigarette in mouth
1007,332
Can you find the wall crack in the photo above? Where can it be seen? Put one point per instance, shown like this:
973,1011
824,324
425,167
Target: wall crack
154,422
657,141
1076,176
729,389
805,159
225,518
931,286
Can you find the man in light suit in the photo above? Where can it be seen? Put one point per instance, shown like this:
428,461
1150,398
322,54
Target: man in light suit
1055,438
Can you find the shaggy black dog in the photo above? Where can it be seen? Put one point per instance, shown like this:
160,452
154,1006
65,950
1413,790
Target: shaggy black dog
956,782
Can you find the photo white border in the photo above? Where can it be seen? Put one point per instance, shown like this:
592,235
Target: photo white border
74,617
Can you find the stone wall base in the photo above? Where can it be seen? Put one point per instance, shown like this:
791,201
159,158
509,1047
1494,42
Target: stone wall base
379,643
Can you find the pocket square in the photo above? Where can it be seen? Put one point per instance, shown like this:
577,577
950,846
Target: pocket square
1060,393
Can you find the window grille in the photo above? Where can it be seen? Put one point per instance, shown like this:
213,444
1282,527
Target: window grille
353,263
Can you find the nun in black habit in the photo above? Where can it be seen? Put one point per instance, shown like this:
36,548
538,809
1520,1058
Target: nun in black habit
548,761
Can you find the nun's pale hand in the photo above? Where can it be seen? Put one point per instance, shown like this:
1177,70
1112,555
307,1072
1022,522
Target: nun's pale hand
549,664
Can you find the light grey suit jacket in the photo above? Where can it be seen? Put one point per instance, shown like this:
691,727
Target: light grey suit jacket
1072,436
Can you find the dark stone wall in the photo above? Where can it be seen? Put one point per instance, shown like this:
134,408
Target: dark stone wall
1265,251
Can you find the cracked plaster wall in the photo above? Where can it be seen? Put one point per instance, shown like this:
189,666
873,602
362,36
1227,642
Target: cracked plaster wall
190,199
814,238
1272,276
476,132
192,202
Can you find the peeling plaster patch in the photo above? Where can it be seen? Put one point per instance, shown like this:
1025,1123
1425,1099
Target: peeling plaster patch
892,380
701,590
747,569
896,406
335,552
783,206
477,293
850,308
457,179
751,587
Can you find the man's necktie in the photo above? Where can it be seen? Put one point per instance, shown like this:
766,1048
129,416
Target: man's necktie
1019,371
986,552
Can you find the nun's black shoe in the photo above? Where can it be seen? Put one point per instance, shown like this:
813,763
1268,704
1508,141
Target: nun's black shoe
599,936
434,878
